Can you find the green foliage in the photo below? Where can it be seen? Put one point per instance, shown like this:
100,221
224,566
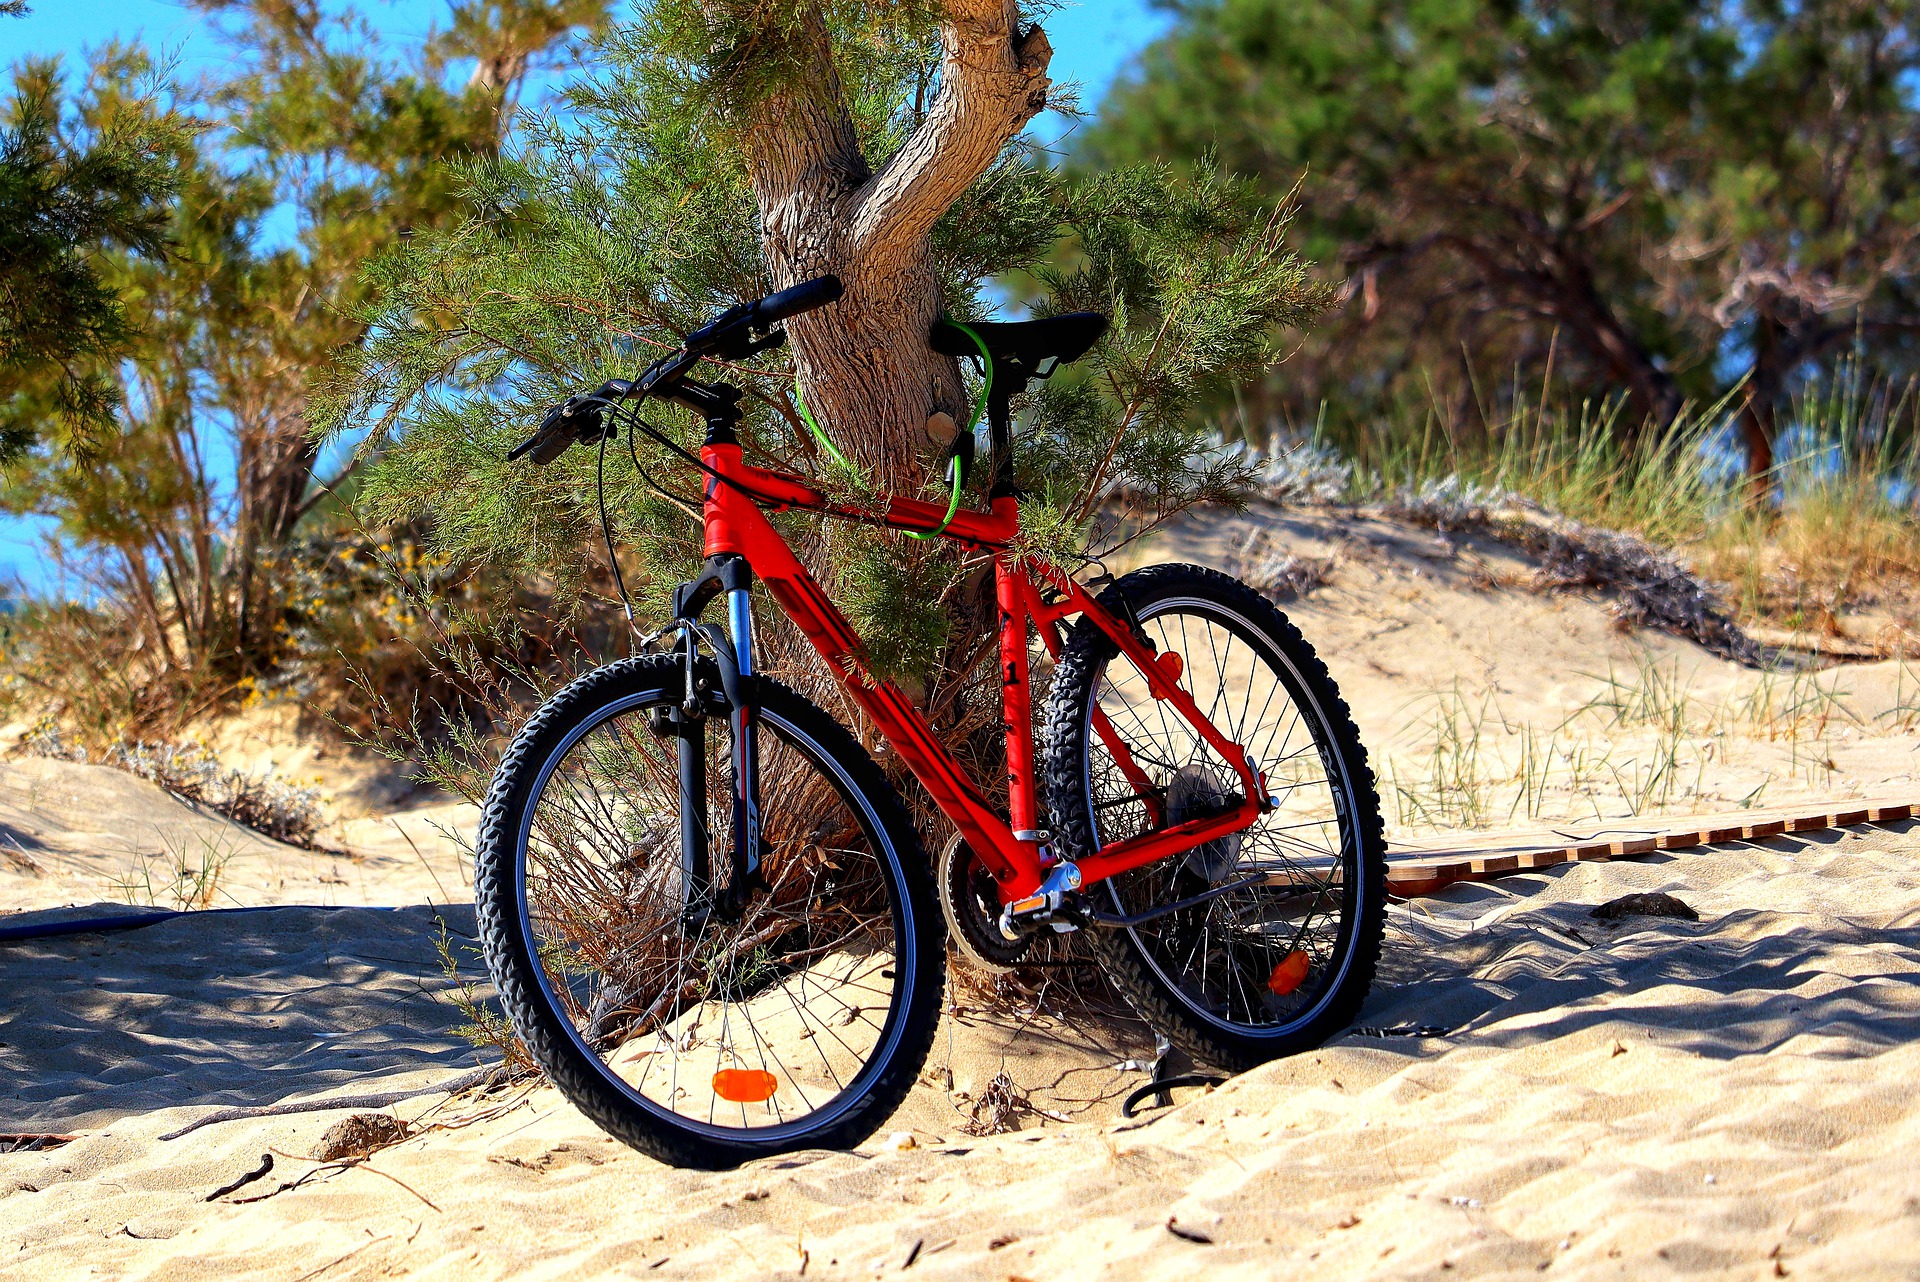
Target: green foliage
72,190
1663,197
728,54
1198,281
198,512
893,592
587,249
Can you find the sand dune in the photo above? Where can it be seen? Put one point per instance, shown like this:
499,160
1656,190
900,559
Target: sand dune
1462,681
1724,1098
1649,1098
72,833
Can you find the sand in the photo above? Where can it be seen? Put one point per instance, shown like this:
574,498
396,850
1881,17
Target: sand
1486,705
1650,1098
73,833
1724,1098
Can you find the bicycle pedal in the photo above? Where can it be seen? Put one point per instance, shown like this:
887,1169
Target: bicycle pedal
1045,905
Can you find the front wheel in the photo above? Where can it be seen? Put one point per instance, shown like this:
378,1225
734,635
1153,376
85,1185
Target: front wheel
702,1022
1282,962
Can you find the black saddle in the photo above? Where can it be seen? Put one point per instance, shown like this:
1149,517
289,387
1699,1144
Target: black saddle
1024,349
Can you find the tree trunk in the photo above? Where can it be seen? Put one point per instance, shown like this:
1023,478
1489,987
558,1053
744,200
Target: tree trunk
1654,395
865,367
1766,377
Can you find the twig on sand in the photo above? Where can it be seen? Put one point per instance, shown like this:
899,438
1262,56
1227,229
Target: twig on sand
382,1099
333,1168
258,1172
387,1175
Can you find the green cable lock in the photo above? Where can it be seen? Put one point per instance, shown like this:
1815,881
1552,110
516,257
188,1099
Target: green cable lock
953,465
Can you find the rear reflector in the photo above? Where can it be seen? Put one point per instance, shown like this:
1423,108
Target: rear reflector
744,1085
1171,666
1289,974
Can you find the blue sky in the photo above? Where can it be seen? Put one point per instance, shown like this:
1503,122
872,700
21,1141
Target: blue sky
1092,41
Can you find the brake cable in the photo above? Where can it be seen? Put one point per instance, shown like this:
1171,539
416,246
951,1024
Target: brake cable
606,525
953,460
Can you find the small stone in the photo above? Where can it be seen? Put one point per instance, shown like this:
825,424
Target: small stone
899,1142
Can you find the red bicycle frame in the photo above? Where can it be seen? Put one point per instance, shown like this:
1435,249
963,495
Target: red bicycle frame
1012,849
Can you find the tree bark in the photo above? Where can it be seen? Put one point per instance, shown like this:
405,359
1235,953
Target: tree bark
865,367
1757,414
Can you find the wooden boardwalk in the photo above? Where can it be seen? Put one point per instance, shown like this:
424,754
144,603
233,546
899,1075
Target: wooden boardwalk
1421,866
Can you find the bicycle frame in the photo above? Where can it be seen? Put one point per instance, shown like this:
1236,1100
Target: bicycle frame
1013,849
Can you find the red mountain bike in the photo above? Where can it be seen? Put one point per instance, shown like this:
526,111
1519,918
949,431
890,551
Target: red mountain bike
707,911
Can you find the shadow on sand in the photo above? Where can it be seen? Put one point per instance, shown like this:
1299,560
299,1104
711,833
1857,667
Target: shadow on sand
225,1009
1525,962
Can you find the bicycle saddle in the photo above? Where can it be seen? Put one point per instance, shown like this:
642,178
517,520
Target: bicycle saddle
1031,347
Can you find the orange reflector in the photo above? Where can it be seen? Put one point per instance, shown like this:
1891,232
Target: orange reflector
1171,666
744,1085
1289,974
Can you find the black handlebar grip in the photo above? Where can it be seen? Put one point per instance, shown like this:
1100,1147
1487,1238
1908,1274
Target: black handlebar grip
804,297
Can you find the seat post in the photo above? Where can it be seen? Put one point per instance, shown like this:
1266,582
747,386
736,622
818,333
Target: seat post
1008,379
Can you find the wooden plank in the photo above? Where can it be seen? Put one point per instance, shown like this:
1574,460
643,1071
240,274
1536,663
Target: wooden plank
1425,869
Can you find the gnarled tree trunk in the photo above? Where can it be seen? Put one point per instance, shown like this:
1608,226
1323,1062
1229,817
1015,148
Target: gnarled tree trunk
864,365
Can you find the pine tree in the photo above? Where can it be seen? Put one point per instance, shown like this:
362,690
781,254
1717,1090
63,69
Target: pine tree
71,192
1672,199
727,149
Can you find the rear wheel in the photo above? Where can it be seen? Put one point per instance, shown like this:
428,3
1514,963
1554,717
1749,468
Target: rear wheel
1282,962
703,1023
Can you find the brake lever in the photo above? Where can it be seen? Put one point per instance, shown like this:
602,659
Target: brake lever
582,417
772,339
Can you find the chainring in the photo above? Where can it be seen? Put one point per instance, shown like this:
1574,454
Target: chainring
970,901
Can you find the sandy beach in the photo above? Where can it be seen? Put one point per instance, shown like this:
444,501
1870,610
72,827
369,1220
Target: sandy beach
1529,1090
1648,1098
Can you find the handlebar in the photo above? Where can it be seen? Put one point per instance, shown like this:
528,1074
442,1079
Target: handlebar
807,296
734,334
731,334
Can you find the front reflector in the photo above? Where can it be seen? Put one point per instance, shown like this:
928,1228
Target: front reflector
744,1085
1289,974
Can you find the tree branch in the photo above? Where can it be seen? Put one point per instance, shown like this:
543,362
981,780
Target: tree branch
993,79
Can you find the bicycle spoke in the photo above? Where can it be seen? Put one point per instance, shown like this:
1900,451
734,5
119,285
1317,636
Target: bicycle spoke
1224,954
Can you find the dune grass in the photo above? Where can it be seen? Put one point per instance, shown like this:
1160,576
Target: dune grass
1838,531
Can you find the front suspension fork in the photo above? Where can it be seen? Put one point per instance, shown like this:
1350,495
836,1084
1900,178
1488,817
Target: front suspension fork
733,655
746,742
